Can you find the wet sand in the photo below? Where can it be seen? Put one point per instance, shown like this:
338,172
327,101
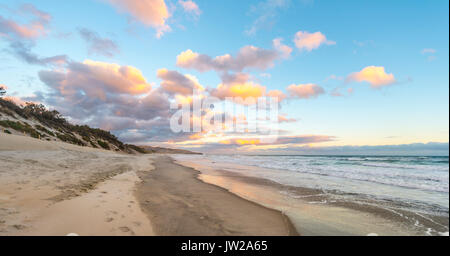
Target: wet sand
178,203
316,212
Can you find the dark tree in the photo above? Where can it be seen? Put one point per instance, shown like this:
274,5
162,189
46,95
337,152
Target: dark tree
2,91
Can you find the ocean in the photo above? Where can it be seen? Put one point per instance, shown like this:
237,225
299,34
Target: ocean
419,184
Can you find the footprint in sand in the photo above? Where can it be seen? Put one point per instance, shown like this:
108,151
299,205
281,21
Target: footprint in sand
125,229
19,226
109,219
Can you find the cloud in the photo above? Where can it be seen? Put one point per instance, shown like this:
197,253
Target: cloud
375,76
97,44
310,41
428,50
237,89
152,13
337,92
266,75
108,96
190,7
276,94
280,140
240,85
284,49
21,37
34,29
305,91
177,83
284,119
247,57
267,12
22,51
96,79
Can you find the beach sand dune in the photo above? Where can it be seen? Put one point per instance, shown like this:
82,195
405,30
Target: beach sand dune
54,188
180,204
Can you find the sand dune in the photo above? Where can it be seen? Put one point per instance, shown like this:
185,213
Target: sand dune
55,188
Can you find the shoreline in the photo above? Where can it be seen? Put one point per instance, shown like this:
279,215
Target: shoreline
178,203
314,212
54,188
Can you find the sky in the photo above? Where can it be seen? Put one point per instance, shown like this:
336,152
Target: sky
349,76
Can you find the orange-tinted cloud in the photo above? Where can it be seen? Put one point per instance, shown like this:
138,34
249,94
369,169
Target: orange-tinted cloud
243,90
281,140
375,76
305,91
285,119
310,41
153,13
97,78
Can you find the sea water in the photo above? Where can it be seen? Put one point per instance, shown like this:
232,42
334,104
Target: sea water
417,183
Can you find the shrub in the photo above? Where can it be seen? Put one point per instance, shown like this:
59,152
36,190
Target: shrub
103,144
41,128
93,145
21,127
7,131
136,148
70,138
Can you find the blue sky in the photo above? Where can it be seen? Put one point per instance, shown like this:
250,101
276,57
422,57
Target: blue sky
409,39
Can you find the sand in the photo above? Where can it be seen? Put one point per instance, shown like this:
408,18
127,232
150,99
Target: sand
312,212
54,188
178,203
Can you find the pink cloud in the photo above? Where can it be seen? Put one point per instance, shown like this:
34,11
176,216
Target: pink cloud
247,57
285,119
96,79
36,28
305,91
310,41
276,94
284,49
176,83
190,7
152,13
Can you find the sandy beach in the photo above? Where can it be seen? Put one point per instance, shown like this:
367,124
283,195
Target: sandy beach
54,188
180,204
